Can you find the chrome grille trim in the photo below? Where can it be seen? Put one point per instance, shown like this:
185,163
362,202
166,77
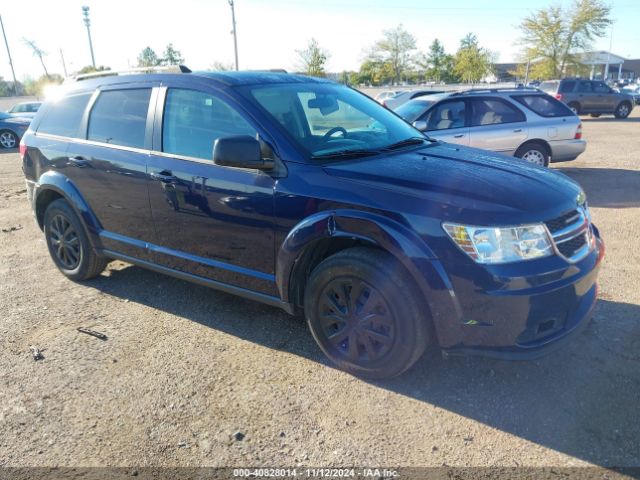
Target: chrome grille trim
578,225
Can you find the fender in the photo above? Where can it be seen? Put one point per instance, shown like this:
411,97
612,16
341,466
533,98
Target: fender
404,244
59,183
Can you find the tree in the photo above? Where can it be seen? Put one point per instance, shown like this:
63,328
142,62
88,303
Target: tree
37,52
148,58
171,56
438,64
38,87
472,62
92,69
396,49
313,59
221,66
556,36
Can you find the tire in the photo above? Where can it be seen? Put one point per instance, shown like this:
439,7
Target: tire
68,244
574,107
8,139
623,110
534,152
397,331
594,115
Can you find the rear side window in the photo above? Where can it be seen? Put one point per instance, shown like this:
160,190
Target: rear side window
567,87
119,117
543,105
600,87
193,120
492,111
63,116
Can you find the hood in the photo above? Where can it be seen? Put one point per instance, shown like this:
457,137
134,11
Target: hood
468,179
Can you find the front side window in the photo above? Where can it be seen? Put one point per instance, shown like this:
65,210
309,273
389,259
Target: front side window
119,117
194,120
491,111
601,87
326,119
446,115
543,105
567,87
585,87
63,116
411,111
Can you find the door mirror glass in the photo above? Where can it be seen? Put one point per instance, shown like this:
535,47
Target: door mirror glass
240,151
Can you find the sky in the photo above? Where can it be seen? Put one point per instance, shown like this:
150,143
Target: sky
269,31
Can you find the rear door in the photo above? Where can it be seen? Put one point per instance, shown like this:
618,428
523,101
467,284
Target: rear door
211,221
447,121
586,97
497,125
605,97
108,163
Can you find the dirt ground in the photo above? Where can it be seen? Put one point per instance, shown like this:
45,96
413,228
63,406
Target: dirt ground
186,368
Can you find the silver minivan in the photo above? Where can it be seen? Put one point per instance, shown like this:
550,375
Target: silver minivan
520,122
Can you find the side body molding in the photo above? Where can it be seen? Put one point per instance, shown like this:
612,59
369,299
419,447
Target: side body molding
405,245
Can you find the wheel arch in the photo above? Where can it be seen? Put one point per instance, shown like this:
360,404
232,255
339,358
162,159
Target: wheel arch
538,141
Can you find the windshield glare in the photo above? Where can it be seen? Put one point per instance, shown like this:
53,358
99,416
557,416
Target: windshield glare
326,118
410,111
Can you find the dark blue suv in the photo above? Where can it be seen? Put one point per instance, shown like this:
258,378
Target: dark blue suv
307,195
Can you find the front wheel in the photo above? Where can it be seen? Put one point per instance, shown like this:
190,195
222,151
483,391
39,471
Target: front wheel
623,110
68,244
8,139
535,153
365,313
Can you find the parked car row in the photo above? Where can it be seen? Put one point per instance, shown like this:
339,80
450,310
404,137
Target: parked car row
15,122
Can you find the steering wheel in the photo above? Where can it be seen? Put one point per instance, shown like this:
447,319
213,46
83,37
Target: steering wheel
334,130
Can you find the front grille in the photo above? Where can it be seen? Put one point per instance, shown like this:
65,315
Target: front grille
571,233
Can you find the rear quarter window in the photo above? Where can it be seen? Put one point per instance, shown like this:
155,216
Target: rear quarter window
63,116
543,105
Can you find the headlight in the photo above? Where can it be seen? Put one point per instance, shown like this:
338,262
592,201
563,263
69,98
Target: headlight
501,245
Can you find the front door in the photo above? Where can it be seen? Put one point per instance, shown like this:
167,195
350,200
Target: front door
446,121
211,221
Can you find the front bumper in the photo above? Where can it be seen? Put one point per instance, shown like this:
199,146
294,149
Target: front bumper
565,150
521,317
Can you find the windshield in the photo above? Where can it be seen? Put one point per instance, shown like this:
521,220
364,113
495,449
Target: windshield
410,111
325,119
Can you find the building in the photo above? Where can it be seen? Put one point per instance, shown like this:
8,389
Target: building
607,65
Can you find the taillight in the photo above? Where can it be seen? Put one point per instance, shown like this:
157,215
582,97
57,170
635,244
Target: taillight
23,149
558,96
578,134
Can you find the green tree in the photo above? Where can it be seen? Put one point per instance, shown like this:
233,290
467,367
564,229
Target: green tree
556,36
395,49
92,69
148,58
171,56
313,59
37,52
37,87
438,63
472,62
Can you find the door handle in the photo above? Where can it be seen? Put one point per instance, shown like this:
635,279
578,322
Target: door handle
164,176
517,130
78,161
459,135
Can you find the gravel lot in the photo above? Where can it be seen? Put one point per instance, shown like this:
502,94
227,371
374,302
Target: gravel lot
184,368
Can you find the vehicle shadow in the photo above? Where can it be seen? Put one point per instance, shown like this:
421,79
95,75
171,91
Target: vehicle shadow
581,400
607,187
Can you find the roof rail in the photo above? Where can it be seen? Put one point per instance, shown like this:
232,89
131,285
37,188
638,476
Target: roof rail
494,90
132,71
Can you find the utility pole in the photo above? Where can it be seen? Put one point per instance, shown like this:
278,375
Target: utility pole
87,23
15,82
64,65
235,36
606,68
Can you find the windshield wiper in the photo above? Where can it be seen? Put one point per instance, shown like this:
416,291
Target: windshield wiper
406,142
348,154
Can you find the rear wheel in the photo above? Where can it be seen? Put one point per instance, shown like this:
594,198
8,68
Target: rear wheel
534,152
594,115
68,244
8,139
574,107
365,314
623,110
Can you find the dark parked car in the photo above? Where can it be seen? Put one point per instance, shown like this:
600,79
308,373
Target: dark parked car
11,129
310,196
25,109
592,97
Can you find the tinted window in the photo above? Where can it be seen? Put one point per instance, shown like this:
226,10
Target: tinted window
63,116
193,120
543,105
584,87
119,117
491,111
446,115
600,87
566,87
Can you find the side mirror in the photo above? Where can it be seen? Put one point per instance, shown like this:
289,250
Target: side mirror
420,125
240,151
